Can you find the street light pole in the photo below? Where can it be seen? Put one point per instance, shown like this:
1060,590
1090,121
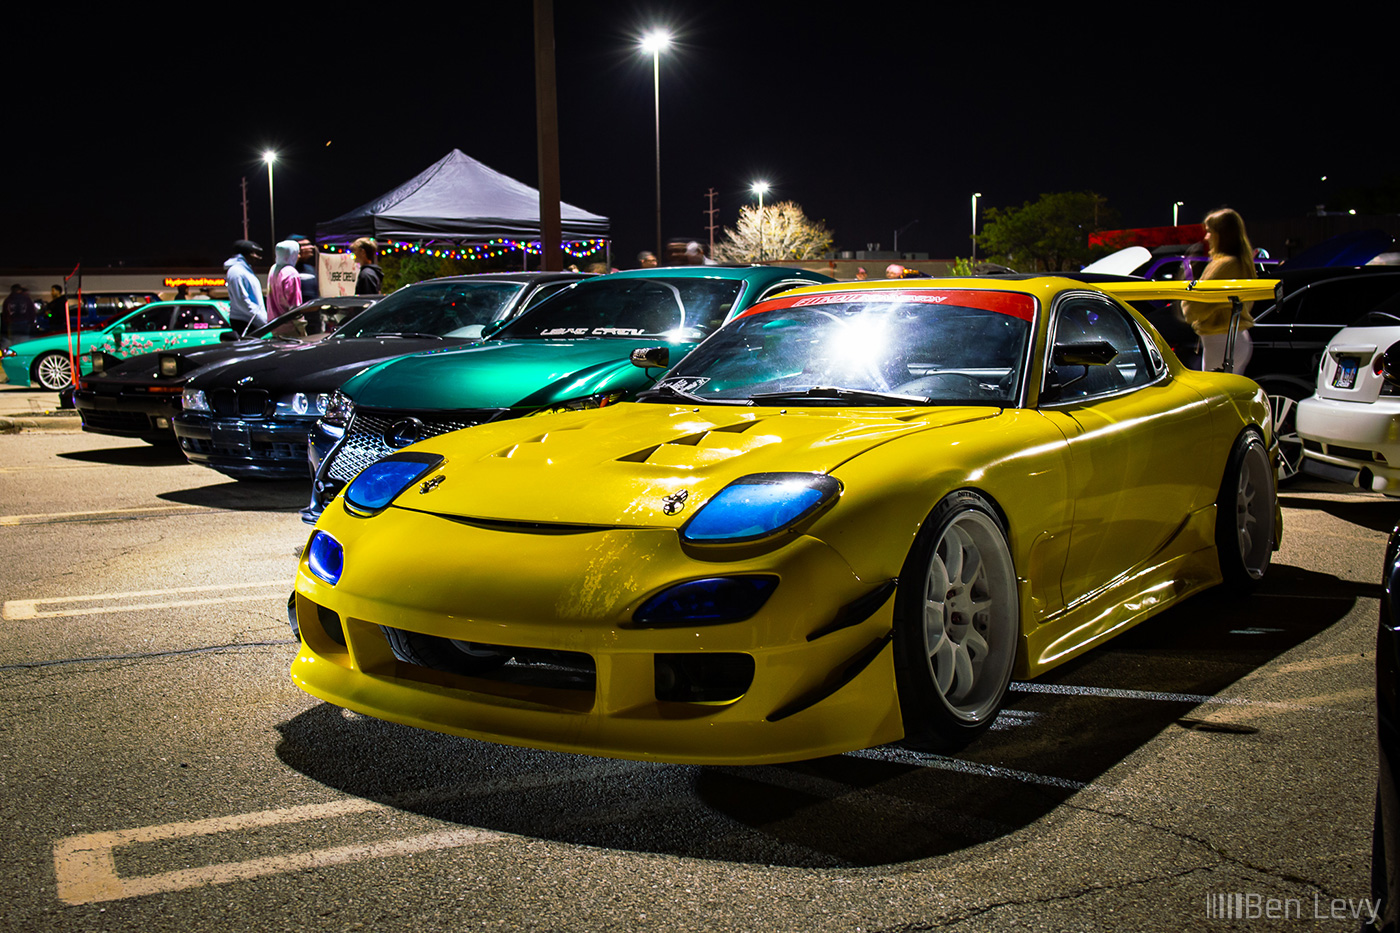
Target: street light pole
974,228
654,42
759,187
269,157
1175,205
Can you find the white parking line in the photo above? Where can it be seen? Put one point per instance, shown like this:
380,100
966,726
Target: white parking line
86,870
16,610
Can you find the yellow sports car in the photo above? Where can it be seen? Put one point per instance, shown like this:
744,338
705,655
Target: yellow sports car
851,516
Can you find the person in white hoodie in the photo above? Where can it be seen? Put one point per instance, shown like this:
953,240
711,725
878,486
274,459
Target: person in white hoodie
283,282
245,297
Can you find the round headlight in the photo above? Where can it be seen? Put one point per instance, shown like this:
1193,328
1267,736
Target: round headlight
299,404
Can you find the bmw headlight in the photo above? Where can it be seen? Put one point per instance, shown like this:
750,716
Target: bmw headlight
194,400
381,482
760,505
338,409
303,404
600,400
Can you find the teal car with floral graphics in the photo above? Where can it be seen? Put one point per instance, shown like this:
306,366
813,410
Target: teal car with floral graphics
161,325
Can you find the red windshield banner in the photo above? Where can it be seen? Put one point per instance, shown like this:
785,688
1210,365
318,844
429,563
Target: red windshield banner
1015,304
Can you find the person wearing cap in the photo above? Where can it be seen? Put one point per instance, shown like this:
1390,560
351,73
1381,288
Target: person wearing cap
245,297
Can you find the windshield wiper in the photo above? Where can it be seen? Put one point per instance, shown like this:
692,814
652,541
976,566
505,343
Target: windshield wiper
412,335
842,394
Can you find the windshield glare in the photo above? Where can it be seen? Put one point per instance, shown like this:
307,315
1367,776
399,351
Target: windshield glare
440,309
677,310
943,353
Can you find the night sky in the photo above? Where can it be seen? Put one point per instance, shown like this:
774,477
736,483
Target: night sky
129,132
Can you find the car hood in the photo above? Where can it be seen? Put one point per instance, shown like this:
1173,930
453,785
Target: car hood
502,373
615,466
146,367
316,367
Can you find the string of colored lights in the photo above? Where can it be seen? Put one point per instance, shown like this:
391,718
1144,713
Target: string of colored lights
491,248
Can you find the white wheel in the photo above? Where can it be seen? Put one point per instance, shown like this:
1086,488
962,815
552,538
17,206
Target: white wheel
53,371
958,624
1290,446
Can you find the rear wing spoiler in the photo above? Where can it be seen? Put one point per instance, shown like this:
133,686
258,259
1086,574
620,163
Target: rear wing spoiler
1209,290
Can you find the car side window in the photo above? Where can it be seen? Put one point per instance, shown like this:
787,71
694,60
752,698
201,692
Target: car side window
197,317
544,291
1085,320
154,319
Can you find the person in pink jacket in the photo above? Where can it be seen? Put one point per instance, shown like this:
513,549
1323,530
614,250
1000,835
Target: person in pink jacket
283,282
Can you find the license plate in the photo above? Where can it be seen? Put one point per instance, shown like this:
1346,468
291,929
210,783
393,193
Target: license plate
1346,373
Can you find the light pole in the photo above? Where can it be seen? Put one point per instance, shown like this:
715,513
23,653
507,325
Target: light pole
1175,206
759,188
974,229
654,42
269,157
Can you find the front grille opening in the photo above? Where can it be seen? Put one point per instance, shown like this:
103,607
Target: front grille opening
509,664
330,622
703,678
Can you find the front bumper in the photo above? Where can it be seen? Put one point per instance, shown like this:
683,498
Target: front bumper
129,413
246,448
822,682
16,369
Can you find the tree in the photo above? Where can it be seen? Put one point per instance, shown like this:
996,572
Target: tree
1051,235
783,231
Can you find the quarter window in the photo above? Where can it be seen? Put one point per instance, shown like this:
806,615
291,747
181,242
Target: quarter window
1093,320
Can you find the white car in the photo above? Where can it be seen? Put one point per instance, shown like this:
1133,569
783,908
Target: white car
1350,427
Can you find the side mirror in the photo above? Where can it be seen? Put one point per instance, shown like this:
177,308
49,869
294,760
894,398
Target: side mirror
228,336
1390,365
652,357
116,332
491,328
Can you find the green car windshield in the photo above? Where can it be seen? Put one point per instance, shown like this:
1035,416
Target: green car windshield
434,309
870,352
676,310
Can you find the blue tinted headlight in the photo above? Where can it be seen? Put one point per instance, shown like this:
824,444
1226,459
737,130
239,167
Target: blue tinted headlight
715,599
760,505
380,483
326,557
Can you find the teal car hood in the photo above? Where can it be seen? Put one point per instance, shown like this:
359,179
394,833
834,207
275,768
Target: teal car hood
505,373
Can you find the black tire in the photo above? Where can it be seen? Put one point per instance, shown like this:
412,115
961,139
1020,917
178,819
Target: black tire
53,371
443,654
1283,404
957,624
1244,514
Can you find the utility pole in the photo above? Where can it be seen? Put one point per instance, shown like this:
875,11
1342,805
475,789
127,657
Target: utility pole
711,226
245,207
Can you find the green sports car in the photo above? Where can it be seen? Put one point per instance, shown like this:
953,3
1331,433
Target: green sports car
161,325
572,351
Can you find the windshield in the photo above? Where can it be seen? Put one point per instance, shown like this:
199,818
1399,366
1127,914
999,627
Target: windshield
309,320
893,347
676,309
435,309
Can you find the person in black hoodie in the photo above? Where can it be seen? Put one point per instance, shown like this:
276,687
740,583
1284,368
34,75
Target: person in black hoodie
371,277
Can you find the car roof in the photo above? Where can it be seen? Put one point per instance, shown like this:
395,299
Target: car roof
521,276
742,273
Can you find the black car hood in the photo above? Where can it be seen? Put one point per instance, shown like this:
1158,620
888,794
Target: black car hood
143,369
317,367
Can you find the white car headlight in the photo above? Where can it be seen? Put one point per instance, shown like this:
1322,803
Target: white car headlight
194,400
337,410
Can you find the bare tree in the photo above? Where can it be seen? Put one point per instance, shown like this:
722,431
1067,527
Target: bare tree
782,231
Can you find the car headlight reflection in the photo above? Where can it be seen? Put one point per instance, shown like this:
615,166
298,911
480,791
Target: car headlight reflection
337,410
600,400
381,482
194,400
326,557
760,505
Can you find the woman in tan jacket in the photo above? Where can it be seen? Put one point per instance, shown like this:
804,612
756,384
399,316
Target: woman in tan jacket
1231,257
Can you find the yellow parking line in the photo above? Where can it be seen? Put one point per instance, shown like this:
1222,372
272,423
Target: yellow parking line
78,516
15,610
85,865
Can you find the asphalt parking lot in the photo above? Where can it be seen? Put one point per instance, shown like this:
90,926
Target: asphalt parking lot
1212,769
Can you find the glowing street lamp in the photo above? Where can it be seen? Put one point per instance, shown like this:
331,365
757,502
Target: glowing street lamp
974,228
1175,206
760,188
654,43
269,157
